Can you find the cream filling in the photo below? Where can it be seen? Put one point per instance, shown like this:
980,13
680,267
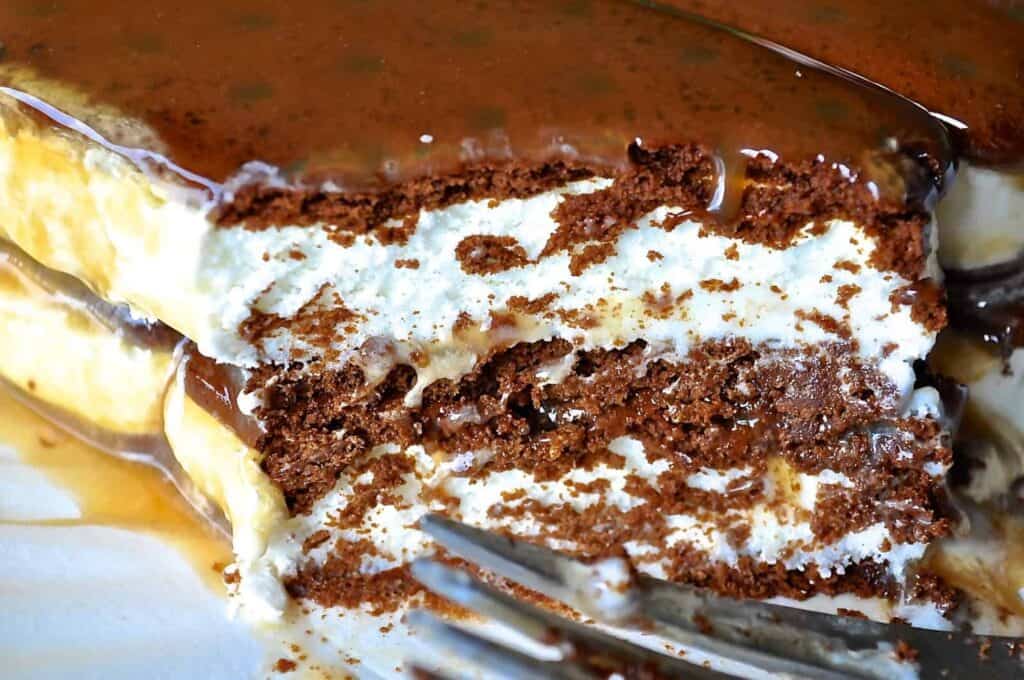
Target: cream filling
779,531
228,471
82,209
982,218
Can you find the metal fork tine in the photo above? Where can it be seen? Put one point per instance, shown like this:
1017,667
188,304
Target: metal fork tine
496,660
564,579
771,637
542,570
540,624
468,592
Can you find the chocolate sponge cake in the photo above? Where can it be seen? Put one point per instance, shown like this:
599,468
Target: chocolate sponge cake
610,277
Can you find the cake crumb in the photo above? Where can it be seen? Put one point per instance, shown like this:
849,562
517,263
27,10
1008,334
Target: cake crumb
846,293
852,613
285,665
486,254
849,266
720,286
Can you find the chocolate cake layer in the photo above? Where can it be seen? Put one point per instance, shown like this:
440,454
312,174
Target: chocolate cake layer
728,405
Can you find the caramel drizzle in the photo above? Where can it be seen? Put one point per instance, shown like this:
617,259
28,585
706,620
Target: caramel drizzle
363,96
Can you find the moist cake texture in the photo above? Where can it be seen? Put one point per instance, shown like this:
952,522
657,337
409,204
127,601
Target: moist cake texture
606,277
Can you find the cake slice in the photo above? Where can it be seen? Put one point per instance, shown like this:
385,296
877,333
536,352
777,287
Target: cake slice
588,273
963,62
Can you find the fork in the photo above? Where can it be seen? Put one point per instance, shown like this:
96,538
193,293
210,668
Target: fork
151,449
764,638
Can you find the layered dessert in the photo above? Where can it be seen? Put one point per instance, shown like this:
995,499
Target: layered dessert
607,277
963,61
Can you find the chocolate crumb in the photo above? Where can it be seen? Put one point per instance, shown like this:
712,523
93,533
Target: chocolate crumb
483,254
285,665
904,652
846,293
853,613
849,266
720,286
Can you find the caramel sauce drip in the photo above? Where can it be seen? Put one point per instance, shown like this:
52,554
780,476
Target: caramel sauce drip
112,492
368,94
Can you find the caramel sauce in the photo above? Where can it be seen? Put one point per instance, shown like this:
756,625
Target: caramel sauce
994,573
367,94
961,58
112,492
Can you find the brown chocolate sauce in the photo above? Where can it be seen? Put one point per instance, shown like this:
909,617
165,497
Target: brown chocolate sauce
963,59
215,388
369,94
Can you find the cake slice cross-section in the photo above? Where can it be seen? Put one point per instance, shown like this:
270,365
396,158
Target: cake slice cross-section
592,274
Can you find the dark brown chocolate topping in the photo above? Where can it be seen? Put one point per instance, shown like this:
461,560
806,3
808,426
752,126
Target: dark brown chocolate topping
370,94
988,304
960,58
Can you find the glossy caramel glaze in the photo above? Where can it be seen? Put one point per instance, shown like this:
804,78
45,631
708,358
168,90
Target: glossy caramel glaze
215,388
960,58
367,93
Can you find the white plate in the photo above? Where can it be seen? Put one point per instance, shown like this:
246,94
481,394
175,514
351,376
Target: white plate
84,601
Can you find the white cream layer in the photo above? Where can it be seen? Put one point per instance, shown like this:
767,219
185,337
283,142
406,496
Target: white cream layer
779,534
418,308
82,209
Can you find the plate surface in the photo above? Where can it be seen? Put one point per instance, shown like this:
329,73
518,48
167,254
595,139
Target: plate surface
120,589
